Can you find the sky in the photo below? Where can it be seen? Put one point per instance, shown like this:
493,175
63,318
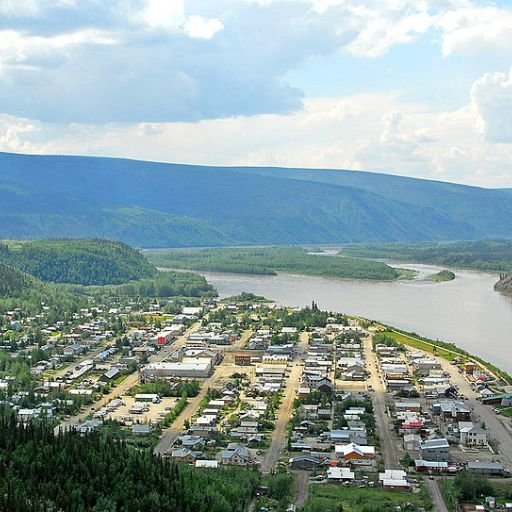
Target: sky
420,88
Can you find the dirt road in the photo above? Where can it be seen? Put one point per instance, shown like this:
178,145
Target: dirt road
437,497
302,485
483,413
177,428
278,442
388,443
130,381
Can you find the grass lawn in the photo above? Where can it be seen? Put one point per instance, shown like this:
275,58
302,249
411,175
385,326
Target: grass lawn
422,345
505,411
329,497
449,494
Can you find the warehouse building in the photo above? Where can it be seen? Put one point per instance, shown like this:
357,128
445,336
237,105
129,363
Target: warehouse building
197,369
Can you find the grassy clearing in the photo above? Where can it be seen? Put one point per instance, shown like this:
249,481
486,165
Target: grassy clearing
406,273
333,497
411,341
447,351
505,411
449,494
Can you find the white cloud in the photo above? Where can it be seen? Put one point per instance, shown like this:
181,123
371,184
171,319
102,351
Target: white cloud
18,8
204,82
163,13
13,132
151,128
466,27
492,97
171,15
16,47
476,30
198,27
379,30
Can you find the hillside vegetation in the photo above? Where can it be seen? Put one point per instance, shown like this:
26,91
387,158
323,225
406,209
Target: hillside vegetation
68,268
72,473
84,262
15,283
163,284
491,255
269,260
170,205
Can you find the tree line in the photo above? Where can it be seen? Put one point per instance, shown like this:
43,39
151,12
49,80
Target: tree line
270,260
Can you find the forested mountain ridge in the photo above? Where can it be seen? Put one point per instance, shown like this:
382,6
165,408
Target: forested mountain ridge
79,261
152,204
460,202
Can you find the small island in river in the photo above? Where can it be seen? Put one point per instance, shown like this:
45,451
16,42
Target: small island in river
441,276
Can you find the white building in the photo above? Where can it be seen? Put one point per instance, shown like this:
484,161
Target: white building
200,368
473,436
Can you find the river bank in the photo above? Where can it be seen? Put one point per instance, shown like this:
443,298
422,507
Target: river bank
465,311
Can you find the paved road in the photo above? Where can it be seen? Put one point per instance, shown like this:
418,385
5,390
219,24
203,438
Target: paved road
388,444
437,497
278,442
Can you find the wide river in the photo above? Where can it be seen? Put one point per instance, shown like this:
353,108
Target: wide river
466,311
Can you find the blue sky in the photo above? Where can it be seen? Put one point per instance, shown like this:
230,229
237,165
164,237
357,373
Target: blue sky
414,87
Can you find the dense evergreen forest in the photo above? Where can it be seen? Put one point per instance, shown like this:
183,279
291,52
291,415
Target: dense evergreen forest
41,472
20,290
61,301
163,284
85,262
29,295
492,255
14,282
269,260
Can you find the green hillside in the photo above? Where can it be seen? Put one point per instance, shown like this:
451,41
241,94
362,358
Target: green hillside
77,261
15,283
31,212
151,204
488,211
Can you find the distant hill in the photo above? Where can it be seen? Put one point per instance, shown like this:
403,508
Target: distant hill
153,205
488,211
87,262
